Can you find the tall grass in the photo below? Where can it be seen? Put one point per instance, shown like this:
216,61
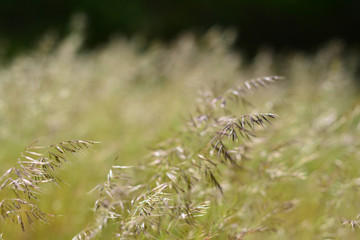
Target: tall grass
178,159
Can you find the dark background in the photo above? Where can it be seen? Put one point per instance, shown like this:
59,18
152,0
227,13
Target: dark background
280,24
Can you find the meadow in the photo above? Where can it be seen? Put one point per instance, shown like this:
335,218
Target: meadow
185,140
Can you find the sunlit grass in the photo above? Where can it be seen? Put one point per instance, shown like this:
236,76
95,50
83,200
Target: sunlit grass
298,179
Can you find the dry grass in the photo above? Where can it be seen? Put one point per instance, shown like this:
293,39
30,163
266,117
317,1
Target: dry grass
268,158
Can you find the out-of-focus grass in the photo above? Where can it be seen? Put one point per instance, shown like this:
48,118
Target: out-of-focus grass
302,181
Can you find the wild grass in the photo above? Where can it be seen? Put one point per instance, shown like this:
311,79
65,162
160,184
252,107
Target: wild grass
195,143
34,168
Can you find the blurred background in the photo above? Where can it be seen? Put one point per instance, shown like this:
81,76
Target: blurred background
280,24
102,71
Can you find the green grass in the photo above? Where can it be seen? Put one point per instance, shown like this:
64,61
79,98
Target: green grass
298,179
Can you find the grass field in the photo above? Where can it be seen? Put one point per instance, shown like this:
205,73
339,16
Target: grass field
161,111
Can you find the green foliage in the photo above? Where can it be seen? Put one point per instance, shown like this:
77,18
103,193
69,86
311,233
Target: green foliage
283,23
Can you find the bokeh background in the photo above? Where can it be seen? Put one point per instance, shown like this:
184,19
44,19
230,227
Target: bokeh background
128,73
281,24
